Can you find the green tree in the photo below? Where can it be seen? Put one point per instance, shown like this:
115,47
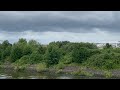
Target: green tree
5,44
66,59
6,53
20,49
16,53
22,40
34,45
80,55
27,50
5,50
52,55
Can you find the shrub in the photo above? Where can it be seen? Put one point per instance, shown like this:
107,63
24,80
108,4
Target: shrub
104,61
52,55
80,55
16,53
23,60
41,67
67,59
36,58
108,74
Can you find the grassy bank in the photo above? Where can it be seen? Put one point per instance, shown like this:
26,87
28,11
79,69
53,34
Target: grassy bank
73,69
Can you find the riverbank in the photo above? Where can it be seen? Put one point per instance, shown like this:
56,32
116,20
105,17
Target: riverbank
71,69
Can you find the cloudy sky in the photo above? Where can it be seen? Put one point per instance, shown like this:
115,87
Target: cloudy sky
47,26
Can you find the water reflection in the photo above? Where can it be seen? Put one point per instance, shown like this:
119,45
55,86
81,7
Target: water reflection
11,74
64,77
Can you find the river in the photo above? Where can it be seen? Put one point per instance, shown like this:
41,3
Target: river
11,74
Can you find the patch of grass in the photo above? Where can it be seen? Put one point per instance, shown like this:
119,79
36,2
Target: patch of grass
41,67
18,67
107,74
60,66
74,64
59,71
82,73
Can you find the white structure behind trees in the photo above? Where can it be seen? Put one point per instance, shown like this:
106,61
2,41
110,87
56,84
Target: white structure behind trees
115,45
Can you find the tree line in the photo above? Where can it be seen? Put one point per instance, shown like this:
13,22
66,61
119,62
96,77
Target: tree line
32,52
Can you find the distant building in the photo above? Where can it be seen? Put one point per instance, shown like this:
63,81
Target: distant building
115,45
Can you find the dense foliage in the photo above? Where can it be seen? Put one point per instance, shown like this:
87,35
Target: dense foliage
63,52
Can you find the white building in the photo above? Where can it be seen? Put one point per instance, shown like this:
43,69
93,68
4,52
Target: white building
114,44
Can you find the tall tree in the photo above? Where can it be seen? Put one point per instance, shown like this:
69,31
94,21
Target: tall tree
52,55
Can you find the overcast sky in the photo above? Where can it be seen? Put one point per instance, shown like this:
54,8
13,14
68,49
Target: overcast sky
47,26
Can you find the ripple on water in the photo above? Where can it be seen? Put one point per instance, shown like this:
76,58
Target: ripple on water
5,77
64,77
32,77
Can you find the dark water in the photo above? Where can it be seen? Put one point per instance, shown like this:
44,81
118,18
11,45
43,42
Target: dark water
11,74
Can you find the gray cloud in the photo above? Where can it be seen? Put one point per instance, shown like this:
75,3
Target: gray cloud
47,26
59,21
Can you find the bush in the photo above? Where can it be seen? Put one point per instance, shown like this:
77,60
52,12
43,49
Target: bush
104,61
67,59
27,50
108,74
52,56
16,53
80,55
36,58
30,59
6,53
116,50
94,51
60,66
41,67
23,60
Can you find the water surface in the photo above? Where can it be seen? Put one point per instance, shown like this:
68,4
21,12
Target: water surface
11,74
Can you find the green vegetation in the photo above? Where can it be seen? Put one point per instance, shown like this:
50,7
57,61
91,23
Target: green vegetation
82,73
59,55
41,67
108,74
106,60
